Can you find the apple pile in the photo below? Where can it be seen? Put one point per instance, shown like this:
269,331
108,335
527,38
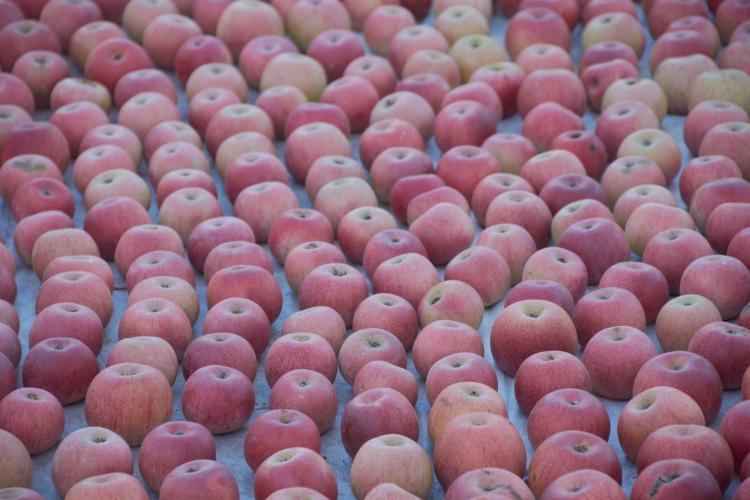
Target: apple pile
331,228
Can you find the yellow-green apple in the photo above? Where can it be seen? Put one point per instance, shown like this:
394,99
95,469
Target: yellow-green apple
681,318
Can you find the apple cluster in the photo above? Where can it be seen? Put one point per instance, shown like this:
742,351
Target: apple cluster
365,217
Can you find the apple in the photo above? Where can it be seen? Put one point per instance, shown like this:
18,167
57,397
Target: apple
478,440
534,377
15,92
568,451
731,296
87,452
107,136
567,409
409,275
297,70
624,350
681,318
295,467
276,430
41,195
216,75
653,409
42,138
56,243
225,349
536,25
206,103
34,416
461,398
321,320
670,75
199,479
490,187
389,312
431,74
639,195
140,383
197,50
541,289
728,361
364,346
151,351
23,36
140,240
374,413
690,478
620,120
234,19
41,70
391,459
358,226
459,367
442,338
9,316
382,374
731,429
226,387
559,265
68,320
488,480
171,444
108,487
607,307
452,300
309,392
20,169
